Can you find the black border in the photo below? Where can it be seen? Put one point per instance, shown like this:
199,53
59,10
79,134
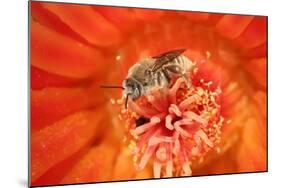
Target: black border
132,180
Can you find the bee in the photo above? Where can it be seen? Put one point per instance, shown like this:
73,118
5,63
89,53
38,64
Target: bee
155,71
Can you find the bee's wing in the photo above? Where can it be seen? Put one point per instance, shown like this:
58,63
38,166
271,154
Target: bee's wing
165,58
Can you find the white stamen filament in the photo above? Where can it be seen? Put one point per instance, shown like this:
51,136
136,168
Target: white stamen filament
183,122
169,168
184,104
204,137
173,109
186,169
156,169
195,117
159,139
146,156
182,132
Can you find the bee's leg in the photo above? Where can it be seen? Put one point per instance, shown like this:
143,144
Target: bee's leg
162,82
127,100
165,79
155,80
158,79
186,79
166,76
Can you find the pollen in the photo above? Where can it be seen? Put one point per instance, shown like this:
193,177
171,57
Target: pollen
183,125
118,57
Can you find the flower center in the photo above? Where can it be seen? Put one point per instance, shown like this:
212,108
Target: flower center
182,123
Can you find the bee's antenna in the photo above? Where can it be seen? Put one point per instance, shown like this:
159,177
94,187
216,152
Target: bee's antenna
126,100
106,86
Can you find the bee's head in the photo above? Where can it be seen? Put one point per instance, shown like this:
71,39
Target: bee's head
132,89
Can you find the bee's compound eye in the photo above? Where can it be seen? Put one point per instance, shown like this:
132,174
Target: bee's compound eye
130,83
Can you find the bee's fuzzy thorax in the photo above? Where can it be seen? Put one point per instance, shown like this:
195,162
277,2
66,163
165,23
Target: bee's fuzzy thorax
184,124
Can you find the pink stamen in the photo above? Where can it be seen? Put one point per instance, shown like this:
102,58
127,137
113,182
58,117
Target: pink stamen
183,153
157,169
177,144
186,169
205,138
155,119
173,109
169,163
169,168
195,151
197,139
146,156
182,132
146,136
168,122
195,117
169,147
183,122
141,129
159,139
184,104
174,89
161,153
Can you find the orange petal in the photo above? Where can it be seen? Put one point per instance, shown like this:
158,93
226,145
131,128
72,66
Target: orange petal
61,55
56,173
252,154
88,23
124,168
96,165
219,164
211,72
147,15
214,18
257,52
255,34
230,95
231,26
51,104
161,37
57,142
146,173
128,56
41,79
260,98
257,69
123,18
158,39
50,20
196,16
